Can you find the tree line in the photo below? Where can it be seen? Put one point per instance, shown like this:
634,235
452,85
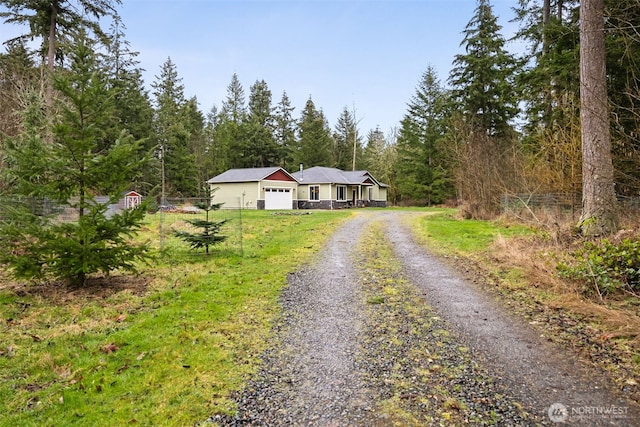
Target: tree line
498,124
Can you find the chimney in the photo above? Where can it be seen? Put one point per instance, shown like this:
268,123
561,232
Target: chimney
301,172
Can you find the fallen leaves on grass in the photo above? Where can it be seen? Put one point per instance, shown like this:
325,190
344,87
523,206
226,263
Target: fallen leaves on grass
109,348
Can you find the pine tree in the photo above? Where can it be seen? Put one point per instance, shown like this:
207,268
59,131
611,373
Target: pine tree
285,131
231,131
379,157
71,169
133,110
195,123
261,147
172,133
481,137
483,77
210,234
344,138
599,206
423,175
55,21
314,139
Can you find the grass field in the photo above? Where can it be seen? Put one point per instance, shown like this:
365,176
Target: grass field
165,347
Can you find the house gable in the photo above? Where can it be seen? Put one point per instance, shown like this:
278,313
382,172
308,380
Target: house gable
279,175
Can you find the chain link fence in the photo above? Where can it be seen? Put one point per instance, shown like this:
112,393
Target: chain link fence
178,213
554,205
159,227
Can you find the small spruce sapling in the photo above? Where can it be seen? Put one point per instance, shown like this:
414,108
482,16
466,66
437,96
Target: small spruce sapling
210,230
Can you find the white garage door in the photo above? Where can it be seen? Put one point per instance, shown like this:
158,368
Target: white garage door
278,198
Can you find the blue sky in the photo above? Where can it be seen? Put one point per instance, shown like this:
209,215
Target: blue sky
366,55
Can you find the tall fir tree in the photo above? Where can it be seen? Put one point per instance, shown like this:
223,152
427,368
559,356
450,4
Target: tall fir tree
423,175
599,205
232,129
480,134
133,110
285,131
195,123
483,77
346,142
380,158
314,138
172,133
261,147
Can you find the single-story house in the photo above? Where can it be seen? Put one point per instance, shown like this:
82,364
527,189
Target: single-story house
329,188
313,188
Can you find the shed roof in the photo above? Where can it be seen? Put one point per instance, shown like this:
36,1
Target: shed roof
247,175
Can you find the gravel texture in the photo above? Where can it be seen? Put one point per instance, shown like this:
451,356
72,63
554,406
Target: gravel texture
377,332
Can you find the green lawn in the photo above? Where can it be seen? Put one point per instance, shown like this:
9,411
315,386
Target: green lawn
170,355
443,232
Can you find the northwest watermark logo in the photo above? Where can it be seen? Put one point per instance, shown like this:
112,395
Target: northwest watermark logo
559,413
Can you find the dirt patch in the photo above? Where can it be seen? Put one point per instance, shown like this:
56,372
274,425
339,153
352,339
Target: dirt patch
95,288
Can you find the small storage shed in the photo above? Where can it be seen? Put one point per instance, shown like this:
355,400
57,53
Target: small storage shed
132,199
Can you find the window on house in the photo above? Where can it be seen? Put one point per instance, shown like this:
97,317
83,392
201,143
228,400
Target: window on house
314,192
342,192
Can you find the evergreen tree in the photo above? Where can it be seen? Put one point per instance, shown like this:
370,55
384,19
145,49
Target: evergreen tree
232,130
549,85
172,133
551,89
72,169
55,21
234,108
52,20
599,206
346,142
285,131
483,77
261,147
195,123
423,175
379,156
480,134
210,234
314,139
217,152
133,110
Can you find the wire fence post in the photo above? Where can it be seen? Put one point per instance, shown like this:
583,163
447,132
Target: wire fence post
240,220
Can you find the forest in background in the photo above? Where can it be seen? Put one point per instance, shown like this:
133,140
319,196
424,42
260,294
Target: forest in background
498,124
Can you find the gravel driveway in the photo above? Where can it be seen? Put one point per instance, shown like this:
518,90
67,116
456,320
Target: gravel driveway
378,332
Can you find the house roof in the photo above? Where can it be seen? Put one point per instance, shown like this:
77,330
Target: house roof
247,175
324,175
